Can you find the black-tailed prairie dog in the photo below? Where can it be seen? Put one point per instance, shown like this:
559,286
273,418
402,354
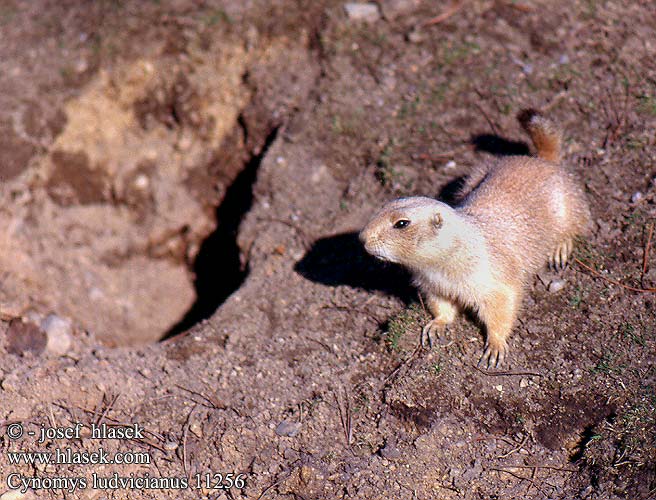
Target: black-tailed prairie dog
516,214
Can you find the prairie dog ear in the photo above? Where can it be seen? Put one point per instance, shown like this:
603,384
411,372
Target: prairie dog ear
437,220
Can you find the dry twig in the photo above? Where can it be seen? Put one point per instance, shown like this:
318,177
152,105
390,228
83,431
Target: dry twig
402,364
185,431
645,255
507,373
617,117
453,8
116,423
550,467
107,409
345,417
212,402
522,7
489,120
611,280
524,478
516,448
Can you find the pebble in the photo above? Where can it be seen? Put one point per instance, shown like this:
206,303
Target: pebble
368,12
142,182
10,383
416,35
184,143
170,446
25,337
556,286
586,492
288,429
196,429
81,65
59,332
390,451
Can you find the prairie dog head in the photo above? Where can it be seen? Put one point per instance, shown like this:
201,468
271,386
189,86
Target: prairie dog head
412,231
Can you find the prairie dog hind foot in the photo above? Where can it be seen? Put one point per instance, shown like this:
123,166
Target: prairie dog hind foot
560,257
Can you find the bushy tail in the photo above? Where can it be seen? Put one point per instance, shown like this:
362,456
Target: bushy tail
546,136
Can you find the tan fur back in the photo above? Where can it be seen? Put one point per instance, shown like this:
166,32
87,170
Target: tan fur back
525,207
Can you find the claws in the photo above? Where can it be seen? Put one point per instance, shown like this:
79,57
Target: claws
432,327
558,260
565,251
493,356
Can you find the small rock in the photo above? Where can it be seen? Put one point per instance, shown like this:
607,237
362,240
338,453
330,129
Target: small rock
586,492
148,67
59,332
390,451
185,142
10,383
288,429
32,317
81,65
196,429
367,12
523,383
279,250
141,182
637,196
527,68
416,35
308,473
556,286
25,337
170,446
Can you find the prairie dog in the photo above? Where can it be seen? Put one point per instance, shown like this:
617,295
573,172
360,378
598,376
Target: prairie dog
516,214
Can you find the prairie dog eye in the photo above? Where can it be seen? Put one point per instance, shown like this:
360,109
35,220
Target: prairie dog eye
401,224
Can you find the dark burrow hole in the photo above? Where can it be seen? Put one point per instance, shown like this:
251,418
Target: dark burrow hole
217,268
587,436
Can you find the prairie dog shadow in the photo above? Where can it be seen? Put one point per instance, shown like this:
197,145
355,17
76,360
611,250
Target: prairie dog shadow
341,260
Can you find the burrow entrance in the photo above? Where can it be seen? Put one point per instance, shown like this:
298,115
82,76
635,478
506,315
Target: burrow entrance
131,221
218,268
